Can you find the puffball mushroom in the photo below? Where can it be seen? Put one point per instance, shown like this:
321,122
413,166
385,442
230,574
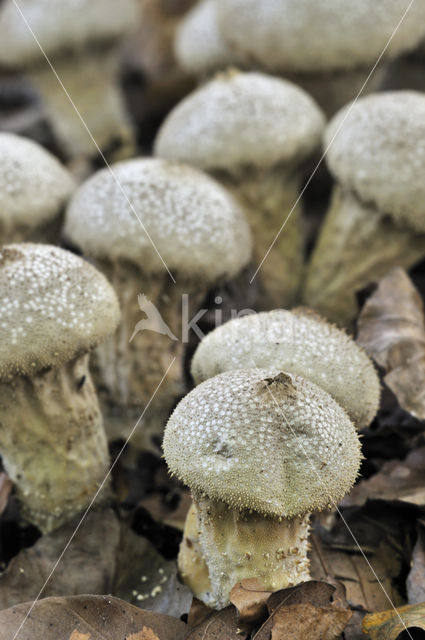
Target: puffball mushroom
55,309
328,47
253,133
198,44
260,450
202,237
80,38
298,342
34,188
376,219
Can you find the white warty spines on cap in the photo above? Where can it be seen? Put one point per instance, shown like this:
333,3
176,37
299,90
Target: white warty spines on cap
34,186
263,440
299,342
55,306
191,220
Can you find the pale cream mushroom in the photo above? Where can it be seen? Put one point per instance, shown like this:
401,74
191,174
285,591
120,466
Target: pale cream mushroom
79,37
376,219
183,221
328,47
260,451
254,133
297,342
55,309
34,188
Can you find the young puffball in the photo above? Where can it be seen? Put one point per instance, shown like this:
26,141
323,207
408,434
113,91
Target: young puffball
55,309
254,133
260,451
377,215
80,38
198,232
329,47
34,188
298,342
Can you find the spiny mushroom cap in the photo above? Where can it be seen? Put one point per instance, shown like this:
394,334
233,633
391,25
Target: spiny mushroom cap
242,119
263,440
198,44
34,186
60,26
298,342
197,227
55,306
309,36
379,153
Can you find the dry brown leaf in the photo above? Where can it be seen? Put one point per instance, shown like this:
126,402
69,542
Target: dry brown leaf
144,634
301,621
218,625
99,617
250,600
391,328
388,625
396,480
76,635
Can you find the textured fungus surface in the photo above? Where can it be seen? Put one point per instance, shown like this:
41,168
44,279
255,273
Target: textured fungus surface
197,227
379,153
242,119
263,440
34,186
55,306
60,26
298,342
339,35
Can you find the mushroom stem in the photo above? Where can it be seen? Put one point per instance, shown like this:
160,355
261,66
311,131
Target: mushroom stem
52,442
242,544
357,245
335,89
129,366
268,197
90,79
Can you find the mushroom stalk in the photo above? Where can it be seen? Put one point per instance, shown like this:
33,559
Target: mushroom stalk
357,244
128,368
52,441
90,78
268,198
243,544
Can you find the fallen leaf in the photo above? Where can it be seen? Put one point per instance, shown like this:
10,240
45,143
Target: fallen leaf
391,328
388,625
301,621
250,600
416,579
396,480
218,625
98,617
76,635
144,634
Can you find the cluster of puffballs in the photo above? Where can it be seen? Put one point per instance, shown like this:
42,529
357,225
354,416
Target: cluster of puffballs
269,434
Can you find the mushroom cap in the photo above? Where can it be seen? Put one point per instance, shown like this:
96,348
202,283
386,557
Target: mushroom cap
379,153
55,307
60,26
311,36
258,439
34,186
298,342
242,119
197,227
198,44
